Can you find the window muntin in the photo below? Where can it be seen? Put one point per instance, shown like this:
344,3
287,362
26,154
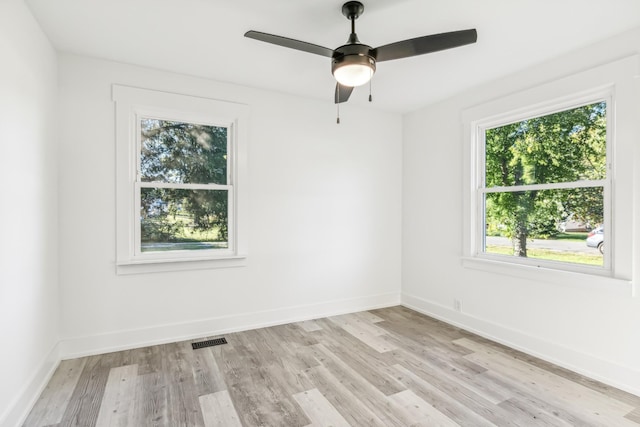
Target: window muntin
539,173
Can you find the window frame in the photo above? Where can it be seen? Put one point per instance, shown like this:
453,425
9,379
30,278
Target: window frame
616,84
134,104
480,189
229,187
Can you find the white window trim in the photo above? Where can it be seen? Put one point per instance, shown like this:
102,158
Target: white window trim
612,82
131,105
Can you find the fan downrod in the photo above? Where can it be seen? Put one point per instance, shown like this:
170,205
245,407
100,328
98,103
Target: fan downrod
352,10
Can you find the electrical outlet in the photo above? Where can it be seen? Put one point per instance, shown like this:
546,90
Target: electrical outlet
457,305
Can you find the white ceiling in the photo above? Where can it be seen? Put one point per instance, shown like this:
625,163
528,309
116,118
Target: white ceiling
205,38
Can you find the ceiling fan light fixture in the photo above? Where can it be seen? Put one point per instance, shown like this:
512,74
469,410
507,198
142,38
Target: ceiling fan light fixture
353,70
353,64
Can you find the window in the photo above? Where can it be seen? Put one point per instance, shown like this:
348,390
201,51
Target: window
544,186
183,186
549,181
180,160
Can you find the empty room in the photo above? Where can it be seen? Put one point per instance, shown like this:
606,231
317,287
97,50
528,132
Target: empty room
319,213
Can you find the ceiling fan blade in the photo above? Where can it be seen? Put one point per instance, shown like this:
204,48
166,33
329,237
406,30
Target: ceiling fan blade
342,93
290,43
425,44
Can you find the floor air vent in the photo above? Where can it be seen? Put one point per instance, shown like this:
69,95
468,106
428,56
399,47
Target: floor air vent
208,343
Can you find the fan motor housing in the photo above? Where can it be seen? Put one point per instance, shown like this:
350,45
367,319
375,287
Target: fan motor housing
353,54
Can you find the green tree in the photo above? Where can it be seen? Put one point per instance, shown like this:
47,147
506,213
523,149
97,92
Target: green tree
182,153
562,147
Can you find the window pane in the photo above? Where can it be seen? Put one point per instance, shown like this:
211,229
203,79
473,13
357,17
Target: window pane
547,224
180,152
173,220
561,147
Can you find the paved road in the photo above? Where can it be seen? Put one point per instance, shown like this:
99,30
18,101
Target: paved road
555,245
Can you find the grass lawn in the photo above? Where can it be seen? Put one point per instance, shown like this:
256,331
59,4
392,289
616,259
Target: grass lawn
175,233
577,236
181,246
570,236
572,257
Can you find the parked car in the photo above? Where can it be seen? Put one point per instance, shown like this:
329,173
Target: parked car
570,226
595,239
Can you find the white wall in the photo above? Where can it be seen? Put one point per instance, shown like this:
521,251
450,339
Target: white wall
324,220
29,304
589,329
328,223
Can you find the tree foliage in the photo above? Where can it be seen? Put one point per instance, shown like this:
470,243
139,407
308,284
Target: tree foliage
182,153
567,146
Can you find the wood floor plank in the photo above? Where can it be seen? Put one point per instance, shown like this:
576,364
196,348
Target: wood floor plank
350,407
256,392
433,331
419,412
445,403
206,373
290,346
218,410
86,399
309,325
236,364
595,408
182,393
457,390
368,316
476,391
634,415
423,332
151,407
119,394
369,336
358,386
319,410
358,322
537,401
534,413
54,399
284,360
450,370
595,385
292,333
543,380
363,359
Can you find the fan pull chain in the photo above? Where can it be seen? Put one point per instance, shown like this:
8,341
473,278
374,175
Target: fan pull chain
370,78
338,105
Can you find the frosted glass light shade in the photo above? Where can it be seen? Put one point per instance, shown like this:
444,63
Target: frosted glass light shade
353,69
353,74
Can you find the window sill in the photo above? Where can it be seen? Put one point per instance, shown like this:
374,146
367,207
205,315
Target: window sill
573,279
184,264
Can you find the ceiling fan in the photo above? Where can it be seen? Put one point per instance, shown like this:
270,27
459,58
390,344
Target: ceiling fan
354,63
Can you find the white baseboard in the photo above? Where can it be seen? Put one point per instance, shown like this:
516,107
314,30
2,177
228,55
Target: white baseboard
18,410
123,340
622,377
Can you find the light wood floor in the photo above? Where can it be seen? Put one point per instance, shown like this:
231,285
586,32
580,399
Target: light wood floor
388,367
